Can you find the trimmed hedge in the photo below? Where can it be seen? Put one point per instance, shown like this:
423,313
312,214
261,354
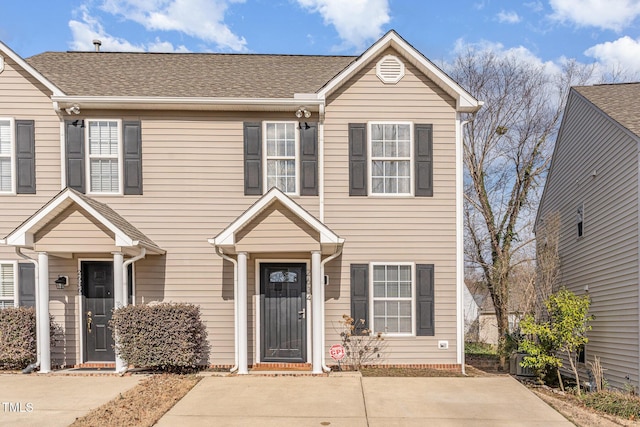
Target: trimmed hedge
163,336
18,336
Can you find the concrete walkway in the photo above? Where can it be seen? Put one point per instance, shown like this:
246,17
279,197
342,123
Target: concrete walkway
53,400
350,400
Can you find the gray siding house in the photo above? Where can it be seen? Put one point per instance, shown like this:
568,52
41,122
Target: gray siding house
593,187
277,192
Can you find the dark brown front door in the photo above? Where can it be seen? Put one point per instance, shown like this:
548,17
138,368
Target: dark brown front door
283,319
97,289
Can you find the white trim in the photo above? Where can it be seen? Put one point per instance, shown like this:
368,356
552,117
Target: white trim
413,298
227,236
464,101
29,69
1,63
63,156
296,156
119,158
411,158
460,286
16,295
11,156
256,307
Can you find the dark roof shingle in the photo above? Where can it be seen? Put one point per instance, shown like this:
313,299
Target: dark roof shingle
187,74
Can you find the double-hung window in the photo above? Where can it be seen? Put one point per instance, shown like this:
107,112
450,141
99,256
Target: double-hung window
393,298
390,154
7,164
104,156
281,142
8,282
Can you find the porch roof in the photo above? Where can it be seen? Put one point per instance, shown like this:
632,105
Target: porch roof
126,235
228,237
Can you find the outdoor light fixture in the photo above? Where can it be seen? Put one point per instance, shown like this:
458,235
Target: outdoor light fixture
74,109
61,282
303,112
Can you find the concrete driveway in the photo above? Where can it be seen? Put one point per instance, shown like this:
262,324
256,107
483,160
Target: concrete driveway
349,400
55,400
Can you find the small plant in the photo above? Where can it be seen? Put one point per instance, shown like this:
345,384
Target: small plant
614,403
597,371
362,347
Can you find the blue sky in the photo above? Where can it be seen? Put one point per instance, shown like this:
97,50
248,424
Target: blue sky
605,32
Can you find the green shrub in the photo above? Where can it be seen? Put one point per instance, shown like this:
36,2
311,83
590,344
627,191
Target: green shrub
18,336
614,403
164,336
480,348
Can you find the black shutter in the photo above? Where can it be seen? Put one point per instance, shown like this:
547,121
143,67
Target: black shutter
308,159
357,159
252,158
132,136
26,284
25,157
423,135
74,152
360,296
424,300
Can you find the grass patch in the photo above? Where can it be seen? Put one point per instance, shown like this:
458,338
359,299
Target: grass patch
614,403
143,405
480,348
407,372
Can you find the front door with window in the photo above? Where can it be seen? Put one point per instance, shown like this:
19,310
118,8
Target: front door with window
283,312
97,289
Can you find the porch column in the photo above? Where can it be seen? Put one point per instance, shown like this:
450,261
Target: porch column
119,298
316,315
242,313
42,313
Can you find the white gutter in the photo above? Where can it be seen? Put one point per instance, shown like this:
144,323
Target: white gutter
235,302
336,254
125,276
18,250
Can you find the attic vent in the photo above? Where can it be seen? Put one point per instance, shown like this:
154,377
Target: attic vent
390,69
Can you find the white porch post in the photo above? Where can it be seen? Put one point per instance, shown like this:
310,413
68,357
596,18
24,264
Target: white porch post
316,315
119,298
242,314
42,313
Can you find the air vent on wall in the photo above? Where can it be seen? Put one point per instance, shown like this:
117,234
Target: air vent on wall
390,69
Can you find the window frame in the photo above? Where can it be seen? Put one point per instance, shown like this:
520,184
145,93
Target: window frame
580,221
14,265
373,299
119,157
11,156
371,158
266,157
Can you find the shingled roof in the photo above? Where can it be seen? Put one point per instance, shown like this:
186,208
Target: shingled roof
187,74
619,101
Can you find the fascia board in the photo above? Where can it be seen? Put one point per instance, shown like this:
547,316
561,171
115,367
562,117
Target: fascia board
29,69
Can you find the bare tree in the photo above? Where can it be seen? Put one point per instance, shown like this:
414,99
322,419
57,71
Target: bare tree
507,149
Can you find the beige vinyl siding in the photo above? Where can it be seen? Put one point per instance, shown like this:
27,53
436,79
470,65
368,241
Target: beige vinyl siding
391,229
606,258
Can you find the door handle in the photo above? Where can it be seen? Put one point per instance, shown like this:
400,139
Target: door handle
302,314
89,321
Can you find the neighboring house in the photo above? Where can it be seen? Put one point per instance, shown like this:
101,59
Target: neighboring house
277,192
472,304
592,188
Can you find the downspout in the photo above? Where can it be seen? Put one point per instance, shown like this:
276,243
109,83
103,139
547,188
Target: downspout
125,275
35,365
235,302
336,254
321,161
460,240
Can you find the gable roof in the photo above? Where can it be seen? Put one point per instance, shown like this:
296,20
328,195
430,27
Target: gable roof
227,237
125,233
620,101
26,66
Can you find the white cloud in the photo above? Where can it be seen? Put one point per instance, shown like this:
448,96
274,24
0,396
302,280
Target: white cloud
202,19
89,28
622,54
357,21
606,14
508,17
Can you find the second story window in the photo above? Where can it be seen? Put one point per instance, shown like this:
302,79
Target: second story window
281,156
390,158
6,158
104,153
580,220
